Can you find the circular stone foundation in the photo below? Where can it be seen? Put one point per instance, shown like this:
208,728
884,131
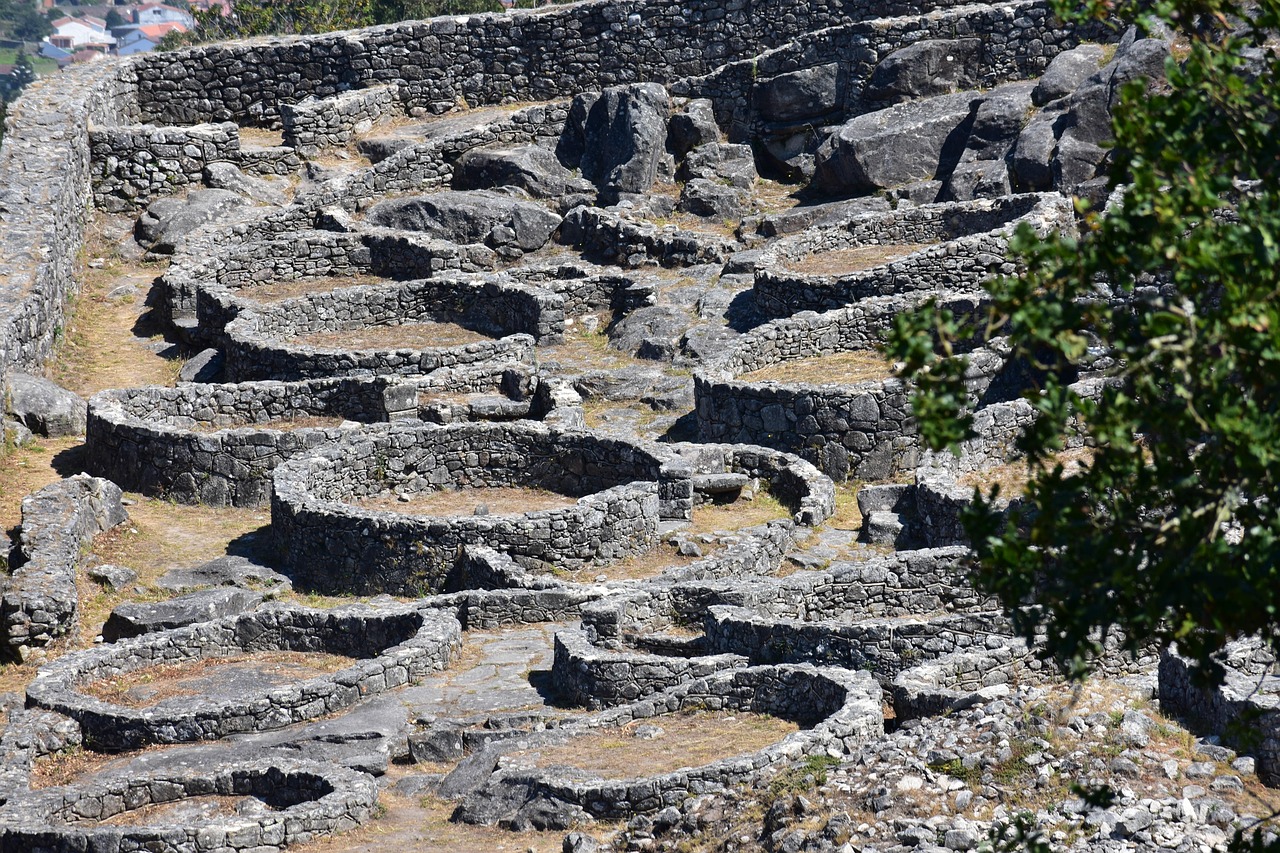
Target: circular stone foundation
218,444
296,802
334,543
408,328
396,646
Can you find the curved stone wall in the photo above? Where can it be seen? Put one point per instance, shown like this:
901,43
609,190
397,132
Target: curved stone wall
257,341
333,544
865,430
398,645
216,444
838,711
961,245
305,800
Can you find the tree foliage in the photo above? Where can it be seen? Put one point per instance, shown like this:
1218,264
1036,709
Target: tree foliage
1172,530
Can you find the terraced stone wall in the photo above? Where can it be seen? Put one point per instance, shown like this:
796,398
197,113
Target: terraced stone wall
132,165
486,59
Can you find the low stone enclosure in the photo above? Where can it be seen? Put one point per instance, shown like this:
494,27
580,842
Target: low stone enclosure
838,711
932,248
301,801
494,417
394,646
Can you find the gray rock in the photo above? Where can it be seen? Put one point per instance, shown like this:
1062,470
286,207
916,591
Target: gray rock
627,383
579,842
1066,72
205,366
979,179
16,433
531,168
799,218
704,343
227,571
112,577
713,200
961,839
998,121
163,225
653,332
1075,162
733,165
1030,161
791,151
366,751
573,139
471,773
441,742
805,94
625,137
477,216
44,407
133,619
904,143
692,126
227,176
924,69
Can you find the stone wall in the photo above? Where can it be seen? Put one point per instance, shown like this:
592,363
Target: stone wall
607,237
1018,41
44,173
1243,709
131,166
962,245
40,602
314,124
333,544
962,679
216,444
865,430
838,710
308,800
485,59
396,645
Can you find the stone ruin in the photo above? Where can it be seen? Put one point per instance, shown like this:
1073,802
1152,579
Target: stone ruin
621,267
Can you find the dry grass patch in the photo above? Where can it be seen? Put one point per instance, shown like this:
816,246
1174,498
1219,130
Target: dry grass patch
107,343
278,291
653,562
501,500
742,513
774,196
160,536
149,686
689,739
1013,477
261,137
421,335
210,806
841,368
28,469
422,825
849,259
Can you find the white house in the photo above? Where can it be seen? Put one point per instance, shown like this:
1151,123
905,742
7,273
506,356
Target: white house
78,32
159,13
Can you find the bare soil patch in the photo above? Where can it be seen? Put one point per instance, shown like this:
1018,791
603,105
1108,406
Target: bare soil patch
850,259
278,291
284,424
1013,477
28,469
147,687
501,500
688,740
842,368
261,137
404,336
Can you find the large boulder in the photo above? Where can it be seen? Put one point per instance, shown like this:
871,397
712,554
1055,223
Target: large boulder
903,143
166,221
693,126
573,139
227,176
475,216
133,619
531,168
625,138
1066,72
924,69
713,200
735,165
798,95
998,121
44,407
